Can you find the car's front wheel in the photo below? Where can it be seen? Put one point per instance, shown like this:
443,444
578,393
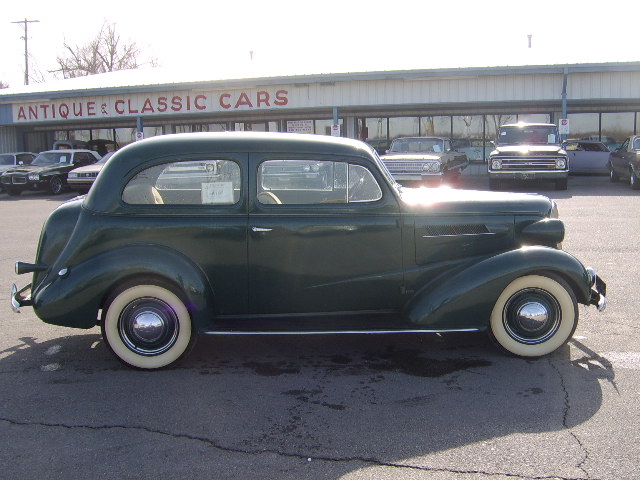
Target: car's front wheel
613,175
147,326
56,185
534,316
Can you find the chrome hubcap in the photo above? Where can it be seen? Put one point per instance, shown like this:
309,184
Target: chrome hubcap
148,326
532,316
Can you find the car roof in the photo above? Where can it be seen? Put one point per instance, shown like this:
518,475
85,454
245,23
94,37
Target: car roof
68,150
131,159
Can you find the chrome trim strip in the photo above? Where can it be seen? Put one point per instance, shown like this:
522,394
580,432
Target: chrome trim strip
334,332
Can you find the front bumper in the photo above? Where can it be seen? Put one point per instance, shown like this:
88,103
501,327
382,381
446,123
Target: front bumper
528,175
20,298
598,290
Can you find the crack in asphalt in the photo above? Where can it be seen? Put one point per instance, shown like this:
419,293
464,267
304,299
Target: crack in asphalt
565,416
307,458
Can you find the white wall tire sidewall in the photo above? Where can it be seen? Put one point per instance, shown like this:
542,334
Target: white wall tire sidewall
568,319
110,327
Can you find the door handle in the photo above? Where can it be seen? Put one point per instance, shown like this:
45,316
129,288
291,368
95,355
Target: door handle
260,229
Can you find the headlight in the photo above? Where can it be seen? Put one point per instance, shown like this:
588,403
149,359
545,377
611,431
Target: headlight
34,177
561,163
496,164
430,167
73,175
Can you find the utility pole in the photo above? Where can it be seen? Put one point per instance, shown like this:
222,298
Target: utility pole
25,24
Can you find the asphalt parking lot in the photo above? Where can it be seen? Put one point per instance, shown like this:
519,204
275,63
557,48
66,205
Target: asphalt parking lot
326,407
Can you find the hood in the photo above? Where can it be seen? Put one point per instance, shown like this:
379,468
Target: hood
26,169
445,201
527,149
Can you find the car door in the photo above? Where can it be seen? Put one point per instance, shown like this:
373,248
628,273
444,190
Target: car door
324,237
618,159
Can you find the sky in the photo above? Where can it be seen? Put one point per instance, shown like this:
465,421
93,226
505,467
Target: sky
296,37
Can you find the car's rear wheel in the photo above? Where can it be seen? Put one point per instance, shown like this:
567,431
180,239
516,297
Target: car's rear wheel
147,326
534,316
56,186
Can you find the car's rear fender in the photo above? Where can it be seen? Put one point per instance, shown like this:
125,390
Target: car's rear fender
73,295
466,298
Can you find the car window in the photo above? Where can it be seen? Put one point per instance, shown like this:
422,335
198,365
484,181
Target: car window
307,182
636,144
201,182
25,158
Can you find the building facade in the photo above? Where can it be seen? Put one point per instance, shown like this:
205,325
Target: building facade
467,104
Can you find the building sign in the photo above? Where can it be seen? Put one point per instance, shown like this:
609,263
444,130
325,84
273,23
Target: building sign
114,106
300,126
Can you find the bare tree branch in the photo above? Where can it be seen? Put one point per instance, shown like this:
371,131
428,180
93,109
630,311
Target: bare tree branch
105,53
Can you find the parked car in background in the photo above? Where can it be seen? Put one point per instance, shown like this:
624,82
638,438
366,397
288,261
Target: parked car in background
248,247
48,171
610,142
69,144
528,152
102,146
11,160
624,163
587,157
420,159
80,179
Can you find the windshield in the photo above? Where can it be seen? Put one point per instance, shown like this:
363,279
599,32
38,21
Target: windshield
528,135
52,158
6,159
417,145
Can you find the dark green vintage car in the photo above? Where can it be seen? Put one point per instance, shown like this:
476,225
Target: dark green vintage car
283,233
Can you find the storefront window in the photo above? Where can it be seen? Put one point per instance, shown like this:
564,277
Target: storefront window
404,127
323,127
435,126
495,121
616,127
584,125
534,118
469,137
377,133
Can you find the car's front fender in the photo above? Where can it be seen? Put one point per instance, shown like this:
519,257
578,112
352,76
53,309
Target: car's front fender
465,299
72,295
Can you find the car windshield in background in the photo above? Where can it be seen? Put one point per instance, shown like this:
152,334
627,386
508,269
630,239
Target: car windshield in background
528,135
52,158
6,159
417,145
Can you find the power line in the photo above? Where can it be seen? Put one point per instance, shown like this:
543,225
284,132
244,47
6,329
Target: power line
25,24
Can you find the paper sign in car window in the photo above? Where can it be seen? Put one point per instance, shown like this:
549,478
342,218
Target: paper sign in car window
219,193
63,159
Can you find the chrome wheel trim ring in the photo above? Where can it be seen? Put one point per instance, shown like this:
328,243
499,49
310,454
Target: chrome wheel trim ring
531,316
148,326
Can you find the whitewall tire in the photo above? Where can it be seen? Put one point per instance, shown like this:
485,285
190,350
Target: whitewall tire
147,326
534,316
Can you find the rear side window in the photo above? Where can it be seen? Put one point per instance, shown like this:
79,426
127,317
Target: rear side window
307,182
201,182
